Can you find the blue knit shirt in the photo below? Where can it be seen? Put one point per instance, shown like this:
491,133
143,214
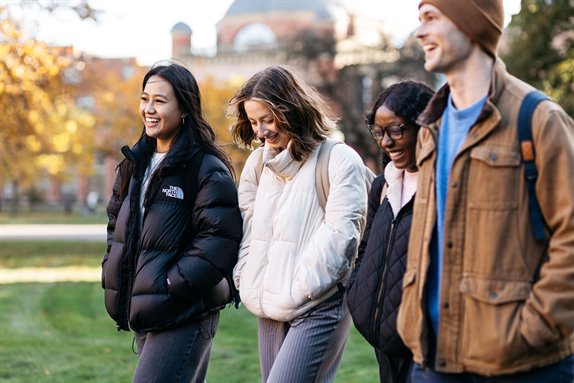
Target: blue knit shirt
453,131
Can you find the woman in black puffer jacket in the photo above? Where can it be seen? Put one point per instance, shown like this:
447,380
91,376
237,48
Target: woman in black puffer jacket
173,232
375,286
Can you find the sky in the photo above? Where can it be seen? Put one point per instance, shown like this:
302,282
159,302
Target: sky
141,28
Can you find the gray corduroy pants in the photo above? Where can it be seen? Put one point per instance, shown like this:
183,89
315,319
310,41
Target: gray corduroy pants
307,349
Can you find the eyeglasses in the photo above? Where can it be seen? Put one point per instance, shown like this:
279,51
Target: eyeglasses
395,131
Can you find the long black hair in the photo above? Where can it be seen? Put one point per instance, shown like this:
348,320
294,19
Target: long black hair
407,99
194,130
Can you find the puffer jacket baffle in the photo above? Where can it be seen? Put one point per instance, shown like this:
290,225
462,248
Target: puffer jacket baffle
375,287
166,273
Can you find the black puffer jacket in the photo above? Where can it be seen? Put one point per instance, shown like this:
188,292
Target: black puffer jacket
375,286
168,273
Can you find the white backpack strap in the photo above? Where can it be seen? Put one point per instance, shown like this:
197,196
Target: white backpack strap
259,164
322,171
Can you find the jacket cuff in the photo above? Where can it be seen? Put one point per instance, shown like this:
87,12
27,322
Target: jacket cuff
535,330
179,287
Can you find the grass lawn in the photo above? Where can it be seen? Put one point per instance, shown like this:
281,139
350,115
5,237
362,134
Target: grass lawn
52,218
60,332
16,254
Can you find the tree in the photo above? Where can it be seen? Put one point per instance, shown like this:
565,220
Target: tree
541,48
214,98
42,131
111,88
41,127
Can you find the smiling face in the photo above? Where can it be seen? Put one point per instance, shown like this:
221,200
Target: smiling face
446,47
160,112
264,125
401,151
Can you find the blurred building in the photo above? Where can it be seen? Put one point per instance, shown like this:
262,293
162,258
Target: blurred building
349,58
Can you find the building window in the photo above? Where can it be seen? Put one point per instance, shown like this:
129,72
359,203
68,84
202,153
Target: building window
254,35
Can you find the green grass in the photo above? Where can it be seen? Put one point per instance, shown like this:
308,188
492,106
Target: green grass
52,218
16,254
61,333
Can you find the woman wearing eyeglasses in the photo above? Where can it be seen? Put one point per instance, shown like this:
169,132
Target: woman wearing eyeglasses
375,286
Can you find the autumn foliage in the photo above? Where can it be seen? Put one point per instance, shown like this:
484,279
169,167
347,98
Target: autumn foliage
42,130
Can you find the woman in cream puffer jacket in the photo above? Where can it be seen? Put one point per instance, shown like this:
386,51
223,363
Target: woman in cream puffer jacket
295,256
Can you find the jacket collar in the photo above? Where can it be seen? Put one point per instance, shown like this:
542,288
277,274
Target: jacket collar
394,180
141,153
281,163
437,104
487,120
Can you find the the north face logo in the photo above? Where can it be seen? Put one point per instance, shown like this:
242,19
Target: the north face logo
174,192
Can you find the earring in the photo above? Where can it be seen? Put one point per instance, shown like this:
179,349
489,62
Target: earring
183,119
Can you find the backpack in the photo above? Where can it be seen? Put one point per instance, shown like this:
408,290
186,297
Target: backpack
322,184
528,153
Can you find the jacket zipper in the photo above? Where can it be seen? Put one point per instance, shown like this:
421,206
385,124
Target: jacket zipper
131,252
135,244
382,286
270,229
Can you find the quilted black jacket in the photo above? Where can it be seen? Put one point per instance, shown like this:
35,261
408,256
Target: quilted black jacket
176,265
375,286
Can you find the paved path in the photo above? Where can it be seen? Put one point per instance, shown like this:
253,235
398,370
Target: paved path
88,233
50,274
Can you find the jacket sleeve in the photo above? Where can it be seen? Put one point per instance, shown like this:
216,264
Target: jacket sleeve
331,252
247,191
548,313
212,254
374,202
113,209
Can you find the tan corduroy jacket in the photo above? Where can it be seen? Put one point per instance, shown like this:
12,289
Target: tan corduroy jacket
506,301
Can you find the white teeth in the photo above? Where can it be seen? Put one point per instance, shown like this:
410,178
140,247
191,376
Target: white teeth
152,120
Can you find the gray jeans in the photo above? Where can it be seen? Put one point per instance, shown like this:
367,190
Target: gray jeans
178,355
560,372
307,349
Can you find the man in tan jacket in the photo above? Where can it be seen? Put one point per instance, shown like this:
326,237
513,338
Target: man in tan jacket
483,299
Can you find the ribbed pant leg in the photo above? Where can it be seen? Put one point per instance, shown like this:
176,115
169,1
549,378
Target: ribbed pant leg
178,355
271,335
312,349
335,350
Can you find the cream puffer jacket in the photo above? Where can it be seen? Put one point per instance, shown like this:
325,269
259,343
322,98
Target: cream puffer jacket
293,254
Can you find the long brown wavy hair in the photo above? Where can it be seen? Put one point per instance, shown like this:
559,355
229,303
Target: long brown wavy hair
298,109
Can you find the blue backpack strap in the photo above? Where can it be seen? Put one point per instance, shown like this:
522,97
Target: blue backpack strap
528,155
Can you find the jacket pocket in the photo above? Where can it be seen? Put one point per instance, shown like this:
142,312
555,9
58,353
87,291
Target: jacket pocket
410,316
493,221
491,330
494,175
